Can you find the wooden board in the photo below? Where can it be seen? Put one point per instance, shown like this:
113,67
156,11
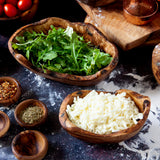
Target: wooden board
111,22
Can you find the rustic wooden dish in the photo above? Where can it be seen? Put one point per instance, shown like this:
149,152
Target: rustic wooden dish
140,12
30,145
156,62
142,102
7,102
96,3
23,105
89,32
25,16
4,123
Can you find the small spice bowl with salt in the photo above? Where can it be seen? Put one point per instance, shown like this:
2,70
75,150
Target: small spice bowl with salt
31,113
10,91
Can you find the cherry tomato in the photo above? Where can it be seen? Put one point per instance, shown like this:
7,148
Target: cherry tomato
1,9
24,4
2,1
10,10
13,2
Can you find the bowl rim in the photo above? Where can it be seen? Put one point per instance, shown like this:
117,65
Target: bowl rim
23,13
64,76
15,98
68,125
29,102
38,154
7,125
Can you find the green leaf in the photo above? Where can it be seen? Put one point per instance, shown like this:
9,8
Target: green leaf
27,54
49,56
20,39
103,59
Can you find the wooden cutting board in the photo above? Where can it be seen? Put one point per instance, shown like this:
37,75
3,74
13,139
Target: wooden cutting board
111,22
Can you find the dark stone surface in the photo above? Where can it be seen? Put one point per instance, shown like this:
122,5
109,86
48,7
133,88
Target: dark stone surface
62,146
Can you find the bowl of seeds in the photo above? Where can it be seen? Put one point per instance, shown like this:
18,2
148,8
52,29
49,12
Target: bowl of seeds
31,113
10,91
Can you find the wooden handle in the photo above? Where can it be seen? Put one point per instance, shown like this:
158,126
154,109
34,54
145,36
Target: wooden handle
22,60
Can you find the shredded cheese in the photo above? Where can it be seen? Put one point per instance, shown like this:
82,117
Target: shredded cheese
103,113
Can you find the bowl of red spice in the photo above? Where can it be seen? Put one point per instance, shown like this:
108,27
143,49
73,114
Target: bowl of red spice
31,113
10,91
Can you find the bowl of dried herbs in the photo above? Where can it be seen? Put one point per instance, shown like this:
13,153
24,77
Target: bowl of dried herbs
31,113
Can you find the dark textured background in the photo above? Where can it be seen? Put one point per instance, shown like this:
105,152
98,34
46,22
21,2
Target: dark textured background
61,145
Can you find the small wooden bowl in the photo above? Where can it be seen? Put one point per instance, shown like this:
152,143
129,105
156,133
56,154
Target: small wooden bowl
142,102
139,19
4,123
25,16
89,32
23,105
7,102
156,62
30,145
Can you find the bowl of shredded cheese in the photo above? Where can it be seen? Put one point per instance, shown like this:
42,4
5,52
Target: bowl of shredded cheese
99,117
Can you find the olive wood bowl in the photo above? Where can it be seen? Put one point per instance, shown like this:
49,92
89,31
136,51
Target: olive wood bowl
142,102
24,16
14,99
23,105
89,32
4,123
156,62
30,145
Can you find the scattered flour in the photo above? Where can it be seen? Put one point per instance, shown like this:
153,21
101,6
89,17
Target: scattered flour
10,156
140,78
39,80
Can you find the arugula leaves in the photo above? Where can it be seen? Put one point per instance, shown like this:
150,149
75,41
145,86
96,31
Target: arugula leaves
62,50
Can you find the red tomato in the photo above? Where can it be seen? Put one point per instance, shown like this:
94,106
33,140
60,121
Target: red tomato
1,9
2,1
10,10
13,2
24,4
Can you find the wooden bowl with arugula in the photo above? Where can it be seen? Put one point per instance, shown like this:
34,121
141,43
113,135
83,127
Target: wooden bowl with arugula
69,52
